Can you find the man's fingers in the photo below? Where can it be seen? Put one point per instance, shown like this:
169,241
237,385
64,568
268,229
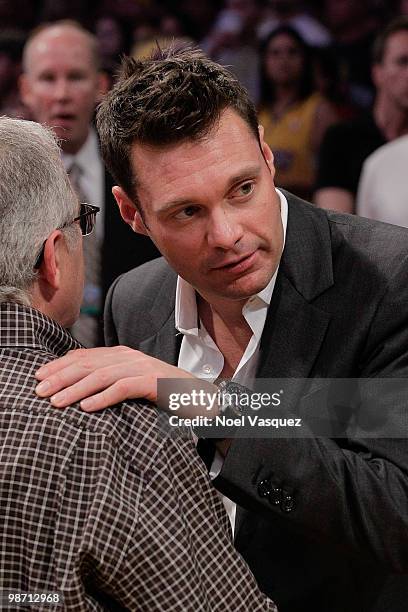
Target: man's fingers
120,391
63,374
55,366
95,382
61,379
88,359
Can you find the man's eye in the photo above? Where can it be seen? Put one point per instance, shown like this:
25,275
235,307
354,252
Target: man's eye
246,189
76,76
48,78
187,212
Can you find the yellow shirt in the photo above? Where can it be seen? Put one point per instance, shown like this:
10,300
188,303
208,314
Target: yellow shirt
290,139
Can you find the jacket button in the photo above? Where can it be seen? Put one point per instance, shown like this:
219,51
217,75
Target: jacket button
275,496
264,488
287,503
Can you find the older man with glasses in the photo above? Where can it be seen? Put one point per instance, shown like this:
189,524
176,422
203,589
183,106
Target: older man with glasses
86,219
96,511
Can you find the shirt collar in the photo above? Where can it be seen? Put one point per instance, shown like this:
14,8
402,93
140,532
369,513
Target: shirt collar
85,157
25,327
186,318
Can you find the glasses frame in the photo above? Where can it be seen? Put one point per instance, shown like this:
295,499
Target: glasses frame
86,218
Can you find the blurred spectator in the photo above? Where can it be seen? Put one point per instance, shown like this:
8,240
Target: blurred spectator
383,188
197,17
348,144
11,45
354,25
61,85
161,30
232,42
294,14
331,82
113,41
294,116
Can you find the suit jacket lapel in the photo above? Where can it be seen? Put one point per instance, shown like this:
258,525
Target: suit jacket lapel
295,328
164,345
293,334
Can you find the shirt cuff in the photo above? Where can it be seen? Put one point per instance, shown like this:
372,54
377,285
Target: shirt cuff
216,465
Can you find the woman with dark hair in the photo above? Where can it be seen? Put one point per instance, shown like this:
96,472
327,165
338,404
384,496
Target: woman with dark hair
294,115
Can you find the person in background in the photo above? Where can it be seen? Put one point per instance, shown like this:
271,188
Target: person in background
61,85
294,115
113,41
99,512
297,15
347,145
331,82
232,41
11,45
354,26
383,190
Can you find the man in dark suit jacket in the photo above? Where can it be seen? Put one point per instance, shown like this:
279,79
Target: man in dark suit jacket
260,284
320,534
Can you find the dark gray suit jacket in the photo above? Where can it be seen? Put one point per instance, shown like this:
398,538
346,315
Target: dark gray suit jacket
339,542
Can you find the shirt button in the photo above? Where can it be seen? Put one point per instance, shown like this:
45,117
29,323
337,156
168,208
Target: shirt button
207,369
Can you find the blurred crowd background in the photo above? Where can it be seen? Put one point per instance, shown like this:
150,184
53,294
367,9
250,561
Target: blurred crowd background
307,66
338,34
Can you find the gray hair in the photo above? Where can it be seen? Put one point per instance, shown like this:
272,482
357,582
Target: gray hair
35,198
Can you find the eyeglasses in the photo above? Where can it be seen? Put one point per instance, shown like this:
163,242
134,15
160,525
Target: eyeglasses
86,218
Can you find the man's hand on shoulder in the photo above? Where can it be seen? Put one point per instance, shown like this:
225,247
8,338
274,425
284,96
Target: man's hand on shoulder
102,377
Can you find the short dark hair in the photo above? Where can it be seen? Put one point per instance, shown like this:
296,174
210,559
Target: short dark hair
173,96
400,24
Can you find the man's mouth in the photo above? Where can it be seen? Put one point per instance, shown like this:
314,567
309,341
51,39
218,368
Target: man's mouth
63,119
237,265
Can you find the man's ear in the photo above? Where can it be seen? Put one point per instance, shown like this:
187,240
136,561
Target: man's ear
266,150
128,211
50,268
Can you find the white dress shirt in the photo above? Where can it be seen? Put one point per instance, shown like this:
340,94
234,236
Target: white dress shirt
200,355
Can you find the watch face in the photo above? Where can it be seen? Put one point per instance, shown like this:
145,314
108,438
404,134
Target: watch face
231,391
234,388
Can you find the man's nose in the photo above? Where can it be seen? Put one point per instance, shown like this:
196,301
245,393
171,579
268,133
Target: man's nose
224,229
61,89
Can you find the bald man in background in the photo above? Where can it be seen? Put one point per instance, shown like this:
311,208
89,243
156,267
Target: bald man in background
61,85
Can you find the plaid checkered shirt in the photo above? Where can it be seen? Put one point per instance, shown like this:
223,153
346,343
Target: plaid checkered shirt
103,507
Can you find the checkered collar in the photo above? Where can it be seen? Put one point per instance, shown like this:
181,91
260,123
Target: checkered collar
25,327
